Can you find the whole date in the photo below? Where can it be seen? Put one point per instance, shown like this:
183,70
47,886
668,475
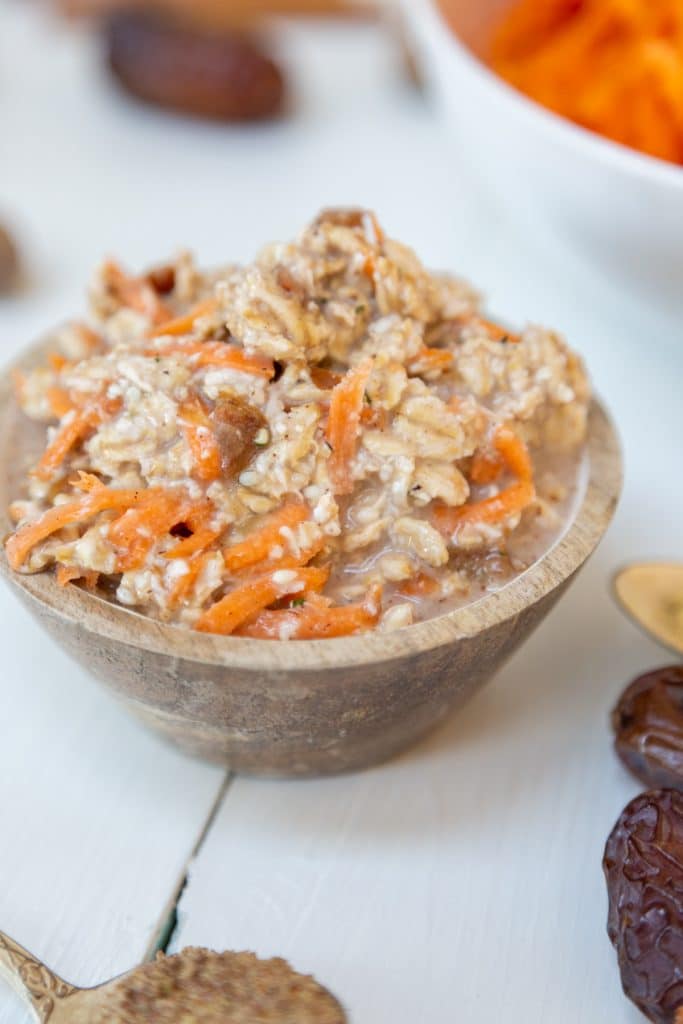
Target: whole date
643,866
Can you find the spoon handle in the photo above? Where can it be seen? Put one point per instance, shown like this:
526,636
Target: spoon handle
35,982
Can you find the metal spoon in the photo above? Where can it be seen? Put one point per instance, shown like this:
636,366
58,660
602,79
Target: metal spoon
651,594
204,987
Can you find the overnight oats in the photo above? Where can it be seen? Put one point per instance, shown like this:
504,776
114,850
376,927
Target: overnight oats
327,441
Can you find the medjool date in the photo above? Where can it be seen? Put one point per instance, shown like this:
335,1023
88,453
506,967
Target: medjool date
643,867
648,727
9,262
240,430
223,76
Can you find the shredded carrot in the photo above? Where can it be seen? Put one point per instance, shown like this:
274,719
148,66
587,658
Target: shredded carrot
57,361
346,406
67,437
185,324
369,267
419,586
612,66
60,401
206,454
218,353
70,434
99,499
508,502
486,467
495,331
202,533
185,583
291,561
155,513
136,293
88,482
259,545
198,541
430,360
315,620
252,596
374,416
69,573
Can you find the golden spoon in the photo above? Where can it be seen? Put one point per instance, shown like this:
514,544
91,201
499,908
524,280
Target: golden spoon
195,987
652,595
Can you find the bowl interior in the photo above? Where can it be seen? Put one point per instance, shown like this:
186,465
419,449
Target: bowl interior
593,512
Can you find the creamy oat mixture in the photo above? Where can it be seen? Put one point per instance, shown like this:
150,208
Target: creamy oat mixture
328,440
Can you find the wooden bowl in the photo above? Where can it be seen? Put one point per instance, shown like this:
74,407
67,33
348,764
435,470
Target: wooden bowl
309,707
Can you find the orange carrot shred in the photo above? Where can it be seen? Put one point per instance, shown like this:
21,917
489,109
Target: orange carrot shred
136,293
70,573
155,513
346,406
57,361
508,502
611,66
252,596
206,454
185,583
485,467
430,360
495,331
217,353
197,542
419,586
59,401
100,498
259,545
316,620
184,324
290,561
70,434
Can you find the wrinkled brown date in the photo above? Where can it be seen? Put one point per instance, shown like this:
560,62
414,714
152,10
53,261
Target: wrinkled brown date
9,262
643,867
236,424
648,727
222,76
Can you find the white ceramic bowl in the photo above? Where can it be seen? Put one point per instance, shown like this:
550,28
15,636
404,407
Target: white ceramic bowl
620,209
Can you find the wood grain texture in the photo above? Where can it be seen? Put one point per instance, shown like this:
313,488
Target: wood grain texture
310,707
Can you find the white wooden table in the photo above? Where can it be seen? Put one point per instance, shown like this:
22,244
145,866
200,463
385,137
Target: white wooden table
462,882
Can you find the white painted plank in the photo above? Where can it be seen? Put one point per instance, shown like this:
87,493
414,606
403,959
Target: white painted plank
98,817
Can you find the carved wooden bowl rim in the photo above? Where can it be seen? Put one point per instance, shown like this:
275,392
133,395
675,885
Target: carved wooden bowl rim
602,479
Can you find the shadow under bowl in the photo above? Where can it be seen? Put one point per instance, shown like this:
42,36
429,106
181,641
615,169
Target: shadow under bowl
303,708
